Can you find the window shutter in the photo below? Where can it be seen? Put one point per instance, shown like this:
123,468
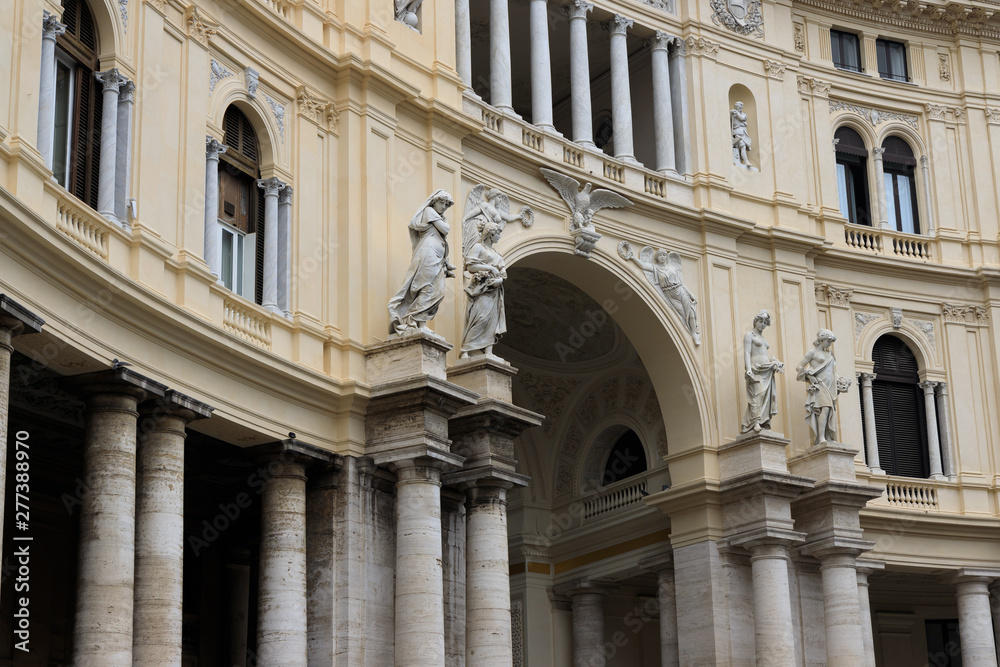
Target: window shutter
900,422
908,429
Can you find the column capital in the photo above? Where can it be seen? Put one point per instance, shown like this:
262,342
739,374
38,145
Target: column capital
680,46
214,148
295,451
175,405
51,27
584,586
923,161
118,380
942,389
866,379
126,93
662,563
661,41
877,152
271,185
17,319
285,195
974,575
112,79
928,387
578,9
618,25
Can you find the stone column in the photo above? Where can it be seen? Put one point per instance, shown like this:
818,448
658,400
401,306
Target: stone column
159,531
500,95
944,424
51,29
541,68
841,610
883,215
213,240
285,251
102,635
865,613
123,159
933,443
995,607
463,42
15,320
579,73
668,619
487,614
453,561
321,561
975,625
419,577
282,621
112,81
588,627
621,96
271,187
772,611
871,436
928,211
663,111
679,96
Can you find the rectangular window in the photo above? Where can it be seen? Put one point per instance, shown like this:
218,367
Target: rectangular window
846,50
61,144
891,60
235,275
901,200
852,186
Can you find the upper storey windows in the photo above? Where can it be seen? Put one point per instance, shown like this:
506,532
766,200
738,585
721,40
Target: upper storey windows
891,60
890,55
852,176
846,50
900,185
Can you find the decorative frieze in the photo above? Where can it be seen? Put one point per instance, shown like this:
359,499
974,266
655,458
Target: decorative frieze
862,320
199,27
957,313
873,116
800,37
252,78
699,46
742,16
927,329
946,113
663,5
318,110
952,18
838,296
811,86
982,316
218,73
775,69
992,116
278,110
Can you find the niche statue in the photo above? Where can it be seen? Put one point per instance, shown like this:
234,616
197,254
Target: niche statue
487,212
741,136
761,367
819,369
417,301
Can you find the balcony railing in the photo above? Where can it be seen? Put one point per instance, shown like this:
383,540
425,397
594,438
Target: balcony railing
912,494
247,324
889,243
83,225
614,500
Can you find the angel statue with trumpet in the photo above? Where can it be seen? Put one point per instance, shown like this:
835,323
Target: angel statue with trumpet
663,270
487,212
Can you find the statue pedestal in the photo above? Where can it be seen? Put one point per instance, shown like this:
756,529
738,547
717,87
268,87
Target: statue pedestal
585,240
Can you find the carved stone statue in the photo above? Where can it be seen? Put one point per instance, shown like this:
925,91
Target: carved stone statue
417,301
761,367
819,369
406,11
486,214
663,270
583,204
741,136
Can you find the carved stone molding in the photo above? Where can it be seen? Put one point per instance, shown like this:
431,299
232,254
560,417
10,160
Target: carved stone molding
992,116
862,320
318,110
199,27
956,313
252,77
944,67
812,86
743,17
663,5
800,37
837,296
951,18
123,11
945,113
219,72
927,328
278,110
982,316
699,46
897,317
873,116
775,69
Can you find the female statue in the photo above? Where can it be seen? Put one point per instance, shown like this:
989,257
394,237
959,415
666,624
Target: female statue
485,319
663,270
818,368
762,393
417,301
741,137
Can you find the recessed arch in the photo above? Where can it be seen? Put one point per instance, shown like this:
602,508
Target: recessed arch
905,132
261,118
867,133
908,333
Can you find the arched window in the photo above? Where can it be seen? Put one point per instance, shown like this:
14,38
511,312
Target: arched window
852,176
76,141
627,459
900,423
241,208
900,185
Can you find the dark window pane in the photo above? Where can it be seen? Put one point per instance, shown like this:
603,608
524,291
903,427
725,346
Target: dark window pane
627,459
900,422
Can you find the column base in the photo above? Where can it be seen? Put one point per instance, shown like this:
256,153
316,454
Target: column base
877,471
110,217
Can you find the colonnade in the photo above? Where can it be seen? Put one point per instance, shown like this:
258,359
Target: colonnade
669,86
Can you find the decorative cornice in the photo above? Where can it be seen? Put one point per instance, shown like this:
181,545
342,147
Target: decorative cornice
952,18
199,27
873,116
945,113
318,110
699,46
775,69
812,86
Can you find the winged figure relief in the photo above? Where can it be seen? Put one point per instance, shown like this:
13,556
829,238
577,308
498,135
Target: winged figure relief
663,270
583,202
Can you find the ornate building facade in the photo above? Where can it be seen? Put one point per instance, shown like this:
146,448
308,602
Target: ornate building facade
218,451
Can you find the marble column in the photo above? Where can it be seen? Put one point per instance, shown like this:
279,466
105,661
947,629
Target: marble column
419,577
487,582
285,250
865,614
541,68
51,29
933,443
588,628
500,95
123,159
975,624
621,96
111,80
159,531
944,425
928,210
579,73
666,593
213,235
102,635
663,111
883,211
679,97
871,436
14,320
772,611
271,187
321,561
463,42
841,610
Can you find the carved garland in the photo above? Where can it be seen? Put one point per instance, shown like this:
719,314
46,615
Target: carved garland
873,116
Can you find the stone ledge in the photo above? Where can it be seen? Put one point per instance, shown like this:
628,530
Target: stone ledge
30,322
